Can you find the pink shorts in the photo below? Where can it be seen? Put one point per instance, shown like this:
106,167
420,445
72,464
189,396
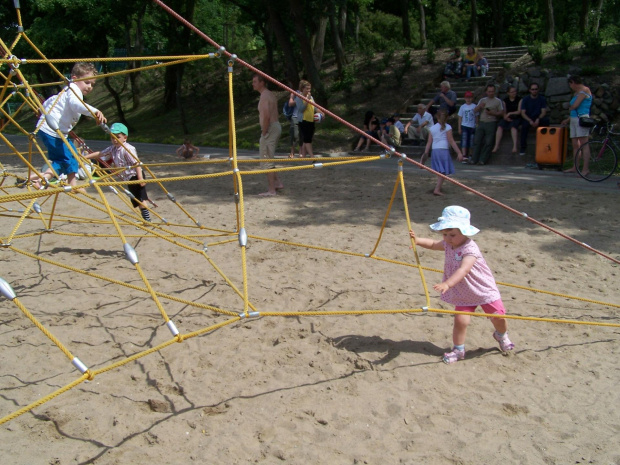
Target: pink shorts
496,308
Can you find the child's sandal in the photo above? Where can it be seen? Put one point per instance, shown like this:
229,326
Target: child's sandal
505,344
454,356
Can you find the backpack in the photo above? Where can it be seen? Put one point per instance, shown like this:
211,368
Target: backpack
287,111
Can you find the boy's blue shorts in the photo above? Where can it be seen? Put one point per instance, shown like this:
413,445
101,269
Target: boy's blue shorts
467,137
61,158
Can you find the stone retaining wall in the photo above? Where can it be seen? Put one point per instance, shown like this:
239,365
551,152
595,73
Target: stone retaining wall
605,106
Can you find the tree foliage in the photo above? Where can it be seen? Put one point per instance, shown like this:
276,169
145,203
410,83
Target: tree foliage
293,37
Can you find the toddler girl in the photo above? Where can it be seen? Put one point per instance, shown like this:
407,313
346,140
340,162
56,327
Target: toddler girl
467,279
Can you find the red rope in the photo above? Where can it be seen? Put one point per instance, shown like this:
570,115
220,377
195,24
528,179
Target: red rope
381,144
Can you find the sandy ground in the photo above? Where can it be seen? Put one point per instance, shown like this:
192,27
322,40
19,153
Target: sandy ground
310,389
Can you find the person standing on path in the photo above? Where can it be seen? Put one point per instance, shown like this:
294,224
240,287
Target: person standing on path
490,109
533,109
271,129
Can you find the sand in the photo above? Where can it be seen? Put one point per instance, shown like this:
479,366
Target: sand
312,389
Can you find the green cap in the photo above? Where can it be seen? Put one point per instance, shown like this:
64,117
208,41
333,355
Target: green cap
119,128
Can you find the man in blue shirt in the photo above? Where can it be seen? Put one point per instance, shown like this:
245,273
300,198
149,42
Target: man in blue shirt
446,99
533,109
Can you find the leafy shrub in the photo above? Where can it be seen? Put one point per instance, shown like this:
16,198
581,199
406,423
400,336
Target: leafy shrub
593,70
446,29
593,45
407,61
536,52
562,45
401,71
430,53
388,57
376,31
399,74
346,81
367,86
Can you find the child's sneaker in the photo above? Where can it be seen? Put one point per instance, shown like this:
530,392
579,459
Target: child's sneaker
504,343
454,356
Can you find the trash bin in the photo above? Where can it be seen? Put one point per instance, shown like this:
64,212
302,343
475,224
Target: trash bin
551,145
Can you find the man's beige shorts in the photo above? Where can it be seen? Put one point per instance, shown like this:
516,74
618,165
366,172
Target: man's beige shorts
268,143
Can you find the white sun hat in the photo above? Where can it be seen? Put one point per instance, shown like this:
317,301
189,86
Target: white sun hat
455,217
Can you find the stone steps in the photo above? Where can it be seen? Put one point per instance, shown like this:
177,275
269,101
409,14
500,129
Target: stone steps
498,60
502,55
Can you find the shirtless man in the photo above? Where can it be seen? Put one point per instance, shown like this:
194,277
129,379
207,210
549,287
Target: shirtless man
270,131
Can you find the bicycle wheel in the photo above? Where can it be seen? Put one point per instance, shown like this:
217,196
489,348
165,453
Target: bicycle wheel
596,160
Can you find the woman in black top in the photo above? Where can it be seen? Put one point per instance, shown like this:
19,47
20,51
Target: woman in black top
512,119
371,127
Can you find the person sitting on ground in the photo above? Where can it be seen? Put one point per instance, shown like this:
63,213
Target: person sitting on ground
445,98
383,128
398,123
370,128
533,109
511,119
187,150
469,62
417,128
391,135
454,65
482,65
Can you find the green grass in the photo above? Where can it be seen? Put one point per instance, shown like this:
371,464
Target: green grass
207,107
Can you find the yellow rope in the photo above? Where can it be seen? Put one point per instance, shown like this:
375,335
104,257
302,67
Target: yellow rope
239,184
408,219
122,283
119,219
45,399
43,329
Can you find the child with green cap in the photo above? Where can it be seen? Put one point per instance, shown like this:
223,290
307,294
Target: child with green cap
125,155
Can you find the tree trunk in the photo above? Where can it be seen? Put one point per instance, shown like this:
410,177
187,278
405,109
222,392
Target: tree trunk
584,17
170,88
475,33
404,16
180,106
117,100
550,22
422,24
282,36
179,44
270,67
597,19
498,15
318,43
297,15
338,50
134,77
342,22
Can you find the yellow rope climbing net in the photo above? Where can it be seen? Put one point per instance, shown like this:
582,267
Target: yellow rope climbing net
44,226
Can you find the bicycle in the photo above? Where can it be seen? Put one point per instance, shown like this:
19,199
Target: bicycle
601,155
